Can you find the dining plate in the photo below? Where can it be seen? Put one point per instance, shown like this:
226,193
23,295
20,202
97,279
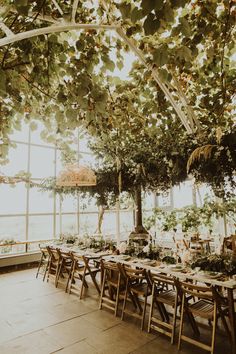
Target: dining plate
149,262
210,275
176,268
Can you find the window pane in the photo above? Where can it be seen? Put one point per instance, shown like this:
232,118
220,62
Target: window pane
36,134
203,191
40,202
69,224
164,199
109,223
69,204
88,204
183,195
22,134
87,160
88,223
14,198
41,162
148,200
12,227
83,142
126,222
40,227
17,160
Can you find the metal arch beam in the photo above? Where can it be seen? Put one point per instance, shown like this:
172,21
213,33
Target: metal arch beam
74,9
54,29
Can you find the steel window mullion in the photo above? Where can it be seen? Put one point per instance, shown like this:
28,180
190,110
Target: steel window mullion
27,190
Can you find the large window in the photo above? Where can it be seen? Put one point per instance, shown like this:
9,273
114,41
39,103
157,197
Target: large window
27,214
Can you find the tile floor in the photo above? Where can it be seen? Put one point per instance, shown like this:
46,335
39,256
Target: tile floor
37,318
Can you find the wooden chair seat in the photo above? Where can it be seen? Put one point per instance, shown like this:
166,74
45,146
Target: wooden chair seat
202,308
167,297
142,289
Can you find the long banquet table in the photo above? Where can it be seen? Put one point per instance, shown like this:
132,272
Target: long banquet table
228,284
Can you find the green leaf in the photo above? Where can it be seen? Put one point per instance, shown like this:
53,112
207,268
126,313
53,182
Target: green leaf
168,13
151,25
2,82
125,9
71,113
80,45
185,28
136,15
148,6
184,53
163,74
160,57
120,64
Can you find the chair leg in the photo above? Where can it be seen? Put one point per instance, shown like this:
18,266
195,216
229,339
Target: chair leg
125,299
151,308
214,329
69,279
181,322
46,269
117,297
58,272
39,266
102,290
83,284
174,320
144,311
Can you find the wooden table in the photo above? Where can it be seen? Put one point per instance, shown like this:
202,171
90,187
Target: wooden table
230,285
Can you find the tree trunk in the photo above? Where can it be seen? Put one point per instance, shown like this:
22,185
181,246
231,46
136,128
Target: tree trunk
139,228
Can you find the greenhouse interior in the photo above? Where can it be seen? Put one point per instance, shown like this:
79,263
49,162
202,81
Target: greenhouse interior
117,176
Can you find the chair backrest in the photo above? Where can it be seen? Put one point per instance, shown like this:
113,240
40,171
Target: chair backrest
161,280
53,254
200,292
44,251
78,261
110,270
63,254
181,243
135,275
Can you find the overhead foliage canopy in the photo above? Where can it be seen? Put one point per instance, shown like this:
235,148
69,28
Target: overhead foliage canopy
183,79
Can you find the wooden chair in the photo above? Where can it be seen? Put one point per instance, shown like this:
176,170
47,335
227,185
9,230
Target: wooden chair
137,285
113,283
229,243
53,264
43,263
65,266
205,306
81,268
164,293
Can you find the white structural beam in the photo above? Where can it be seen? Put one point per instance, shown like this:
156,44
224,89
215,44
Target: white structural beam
54,29
156,77
6,30
74,9
58,7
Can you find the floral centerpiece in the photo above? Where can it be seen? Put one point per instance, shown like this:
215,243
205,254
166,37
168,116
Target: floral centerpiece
217,263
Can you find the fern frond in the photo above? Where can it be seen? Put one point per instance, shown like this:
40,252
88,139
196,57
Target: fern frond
204,151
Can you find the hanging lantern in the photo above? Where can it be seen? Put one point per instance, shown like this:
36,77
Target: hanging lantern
76,176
